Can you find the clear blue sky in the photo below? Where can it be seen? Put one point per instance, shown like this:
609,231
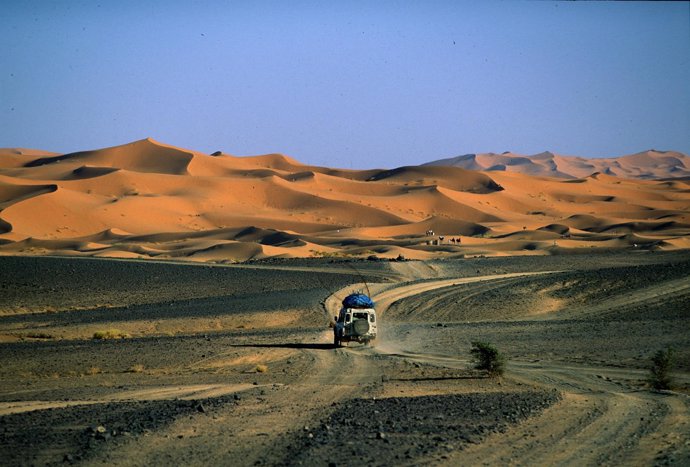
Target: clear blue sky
347,84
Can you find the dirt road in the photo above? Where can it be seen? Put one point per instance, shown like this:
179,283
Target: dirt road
601,420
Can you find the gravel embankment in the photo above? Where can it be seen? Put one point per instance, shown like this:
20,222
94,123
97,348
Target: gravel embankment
37,284
401,430
69,435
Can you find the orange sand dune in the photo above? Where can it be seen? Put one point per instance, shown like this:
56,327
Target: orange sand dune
140,156
150,200
645,165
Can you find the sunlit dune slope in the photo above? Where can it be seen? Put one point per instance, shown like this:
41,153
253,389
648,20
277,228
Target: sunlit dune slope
645,165
150,200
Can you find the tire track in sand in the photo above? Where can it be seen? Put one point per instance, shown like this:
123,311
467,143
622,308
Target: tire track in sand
255,428
598,422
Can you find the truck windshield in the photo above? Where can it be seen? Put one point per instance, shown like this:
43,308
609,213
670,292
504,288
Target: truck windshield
361,315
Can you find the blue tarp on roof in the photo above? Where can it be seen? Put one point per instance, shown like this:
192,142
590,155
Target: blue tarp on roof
358,300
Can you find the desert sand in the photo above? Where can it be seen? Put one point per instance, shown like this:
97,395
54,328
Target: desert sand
234,364
151,200
645,165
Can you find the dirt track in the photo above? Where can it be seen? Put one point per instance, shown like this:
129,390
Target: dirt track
603,418
590,346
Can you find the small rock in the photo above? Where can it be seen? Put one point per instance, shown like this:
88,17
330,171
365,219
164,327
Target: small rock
68,458
201,408
380,435
96,429
103,436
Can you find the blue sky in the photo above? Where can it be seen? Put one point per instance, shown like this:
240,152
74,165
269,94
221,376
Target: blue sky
347,84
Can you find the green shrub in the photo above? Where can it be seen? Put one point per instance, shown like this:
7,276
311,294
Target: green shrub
486,357
660,372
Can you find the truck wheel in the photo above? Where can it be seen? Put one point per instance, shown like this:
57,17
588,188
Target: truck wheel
336,341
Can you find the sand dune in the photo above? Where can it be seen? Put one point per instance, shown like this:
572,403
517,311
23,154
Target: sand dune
645,165
140,156
151,200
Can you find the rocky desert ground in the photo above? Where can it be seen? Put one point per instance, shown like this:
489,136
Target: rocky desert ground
234,365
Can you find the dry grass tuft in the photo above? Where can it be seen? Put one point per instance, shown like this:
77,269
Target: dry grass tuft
261,368
40,335
138,368
110,334
94,370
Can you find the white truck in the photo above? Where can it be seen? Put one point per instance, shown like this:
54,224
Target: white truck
356,321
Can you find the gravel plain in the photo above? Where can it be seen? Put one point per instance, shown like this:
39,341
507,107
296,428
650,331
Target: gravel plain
233,364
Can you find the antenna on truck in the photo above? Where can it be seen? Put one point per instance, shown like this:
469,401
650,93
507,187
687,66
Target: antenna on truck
361,277
366,285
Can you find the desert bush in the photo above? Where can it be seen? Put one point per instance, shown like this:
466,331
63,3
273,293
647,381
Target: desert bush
486,357
261,368
94,370
110,334
660,372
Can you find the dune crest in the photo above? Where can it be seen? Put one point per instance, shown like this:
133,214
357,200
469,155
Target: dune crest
147,199
145,155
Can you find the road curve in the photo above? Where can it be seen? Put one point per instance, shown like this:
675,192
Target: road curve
600,420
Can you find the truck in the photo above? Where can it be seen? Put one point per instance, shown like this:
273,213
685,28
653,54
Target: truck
356,321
